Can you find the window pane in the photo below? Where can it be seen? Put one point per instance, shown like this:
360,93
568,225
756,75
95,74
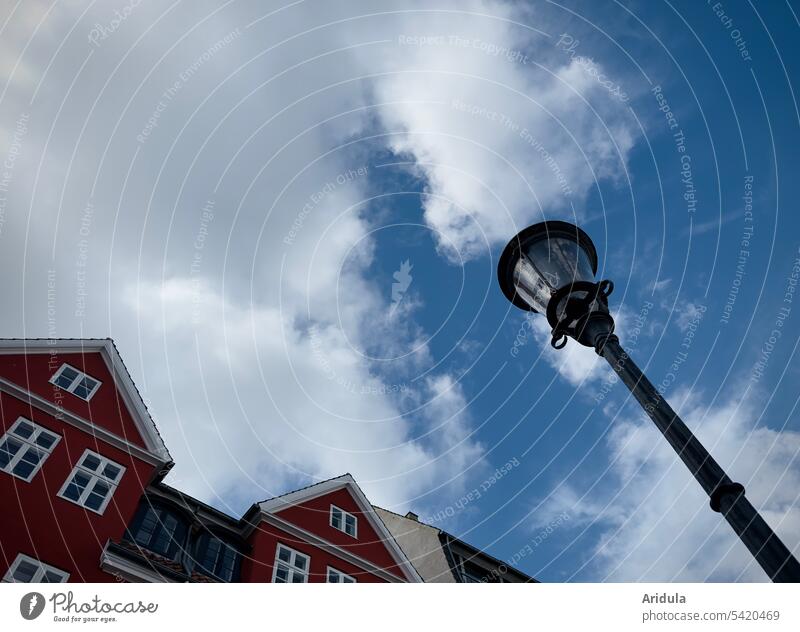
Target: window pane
24,430
101,488
8,448
297,578
281,575
76,486
84,387
348,580
25,571
66,377
45,440
169,521
350,524
300,562
73,492
207,552
284,554
91,462
94,501
336,518
333,576
145,531
111,471
50,577
27,463
227,564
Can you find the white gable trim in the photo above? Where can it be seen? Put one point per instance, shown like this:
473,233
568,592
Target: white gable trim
79,422
329,547
120,376
300,496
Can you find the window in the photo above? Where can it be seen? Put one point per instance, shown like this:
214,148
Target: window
338,577
216,558
291,567
92,482
27,570
158,529
471,573
25,447
343,521
76,382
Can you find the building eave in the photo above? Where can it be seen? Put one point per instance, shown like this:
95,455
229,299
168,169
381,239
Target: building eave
153,442
274,505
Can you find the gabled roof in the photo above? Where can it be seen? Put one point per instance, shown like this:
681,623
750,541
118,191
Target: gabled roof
153,442
274,505
448,542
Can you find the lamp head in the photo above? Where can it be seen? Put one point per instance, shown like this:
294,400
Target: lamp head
543,259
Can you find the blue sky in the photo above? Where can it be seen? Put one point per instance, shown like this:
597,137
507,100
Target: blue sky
289,218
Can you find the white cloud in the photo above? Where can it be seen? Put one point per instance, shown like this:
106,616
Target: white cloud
578,365
257,395
655,521
259,404
575,363
689,315
501,142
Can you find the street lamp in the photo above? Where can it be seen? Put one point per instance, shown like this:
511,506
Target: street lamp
549,268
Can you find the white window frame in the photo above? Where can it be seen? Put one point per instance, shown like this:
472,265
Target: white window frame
343,528
293,555
28,444
94,476
341,576
37,577
75,382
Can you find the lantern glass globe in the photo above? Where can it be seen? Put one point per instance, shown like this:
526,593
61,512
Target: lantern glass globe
542,259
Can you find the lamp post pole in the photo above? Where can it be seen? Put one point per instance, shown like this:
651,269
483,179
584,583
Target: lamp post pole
550,268
726,496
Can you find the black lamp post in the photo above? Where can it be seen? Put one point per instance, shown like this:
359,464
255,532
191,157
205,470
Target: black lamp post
550,268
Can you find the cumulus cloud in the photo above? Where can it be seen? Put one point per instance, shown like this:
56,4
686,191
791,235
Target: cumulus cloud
500,138
654,519
229,249
576,364
259,405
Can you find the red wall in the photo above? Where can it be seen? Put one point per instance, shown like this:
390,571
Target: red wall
258,563
33,371
314,516
35,521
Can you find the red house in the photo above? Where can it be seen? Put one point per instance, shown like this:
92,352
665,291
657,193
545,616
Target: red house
81,469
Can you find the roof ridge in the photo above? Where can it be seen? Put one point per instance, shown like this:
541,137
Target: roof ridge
300,489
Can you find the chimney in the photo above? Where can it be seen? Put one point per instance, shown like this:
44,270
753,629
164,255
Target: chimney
412,516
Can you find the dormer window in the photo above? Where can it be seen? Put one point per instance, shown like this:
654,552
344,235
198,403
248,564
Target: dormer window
344,521
216,558
76,382
159,529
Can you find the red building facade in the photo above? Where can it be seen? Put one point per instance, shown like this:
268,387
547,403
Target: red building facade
81,469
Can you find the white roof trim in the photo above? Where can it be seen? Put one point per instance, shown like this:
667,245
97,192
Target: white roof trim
274,505
120,376
329,547
79,422
131,571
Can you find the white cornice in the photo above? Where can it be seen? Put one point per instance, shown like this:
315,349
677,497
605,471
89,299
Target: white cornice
79,422
118,565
